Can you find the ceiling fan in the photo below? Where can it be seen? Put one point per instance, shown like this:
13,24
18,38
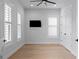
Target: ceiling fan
41,1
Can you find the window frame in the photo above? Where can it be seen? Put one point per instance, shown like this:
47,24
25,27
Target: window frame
18,25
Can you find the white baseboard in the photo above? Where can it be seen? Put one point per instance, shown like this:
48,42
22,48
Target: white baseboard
68,49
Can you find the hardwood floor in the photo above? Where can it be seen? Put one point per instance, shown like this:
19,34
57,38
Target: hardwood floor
52,51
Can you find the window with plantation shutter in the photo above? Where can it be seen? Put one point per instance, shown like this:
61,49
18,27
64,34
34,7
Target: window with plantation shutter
7,23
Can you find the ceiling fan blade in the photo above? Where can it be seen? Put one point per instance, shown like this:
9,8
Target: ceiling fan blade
39,3
45,3
51,2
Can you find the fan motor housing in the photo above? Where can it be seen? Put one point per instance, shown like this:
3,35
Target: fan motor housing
44,0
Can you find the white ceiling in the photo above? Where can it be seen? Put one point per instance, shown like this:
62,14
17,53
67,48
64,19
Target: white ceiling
59,4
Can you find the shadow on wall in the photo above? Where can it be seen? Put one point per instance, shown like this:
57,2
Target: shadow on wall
1,57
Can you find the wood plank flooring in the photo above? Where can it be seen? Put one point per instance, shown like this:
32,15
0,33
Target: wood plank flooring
52,51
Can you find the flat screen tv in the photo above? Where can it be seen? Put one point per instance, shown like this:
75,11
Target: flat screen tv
35,23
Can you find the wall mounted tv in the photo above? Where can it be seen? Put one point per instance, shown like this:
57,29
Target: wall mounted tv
35,23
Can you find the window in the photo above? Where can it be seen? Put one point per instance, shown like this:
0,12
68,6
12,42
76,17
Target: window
18,25
7,23
52,26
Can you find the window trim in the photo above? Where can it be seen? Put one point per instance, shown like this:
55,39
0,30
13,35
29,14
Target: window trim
18,25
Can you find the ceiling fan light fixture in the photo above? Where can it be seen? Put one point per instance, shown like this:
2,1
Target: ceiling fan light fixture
31,5
55,5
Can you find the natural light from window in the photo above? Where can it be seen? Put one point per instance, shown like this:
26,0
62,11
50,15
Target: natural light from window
7,23
52,26
18,25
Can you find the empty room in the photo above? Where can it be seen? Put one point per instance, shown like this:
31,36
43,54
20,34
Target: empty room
38,29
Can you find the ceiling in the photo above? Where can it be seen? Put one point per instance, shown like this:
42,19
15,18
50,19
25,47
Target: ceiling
59,4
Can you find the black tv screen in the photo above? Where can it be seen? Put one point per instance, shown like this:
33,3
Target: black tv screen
35,23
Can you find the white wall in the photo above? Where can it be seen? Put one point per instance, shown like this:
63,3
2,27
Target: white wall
15,44
68,25
39,35
1,26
